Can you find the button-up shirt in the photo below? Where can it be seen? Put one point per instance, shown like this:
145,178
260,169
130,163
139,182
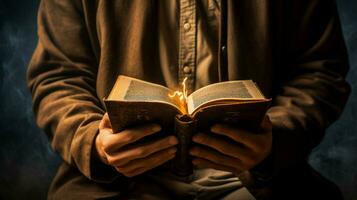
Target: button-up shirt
188,41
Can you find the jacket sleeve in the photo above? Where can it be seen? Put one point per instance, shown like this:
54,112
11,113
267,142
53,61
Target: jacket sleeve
62,78
312,90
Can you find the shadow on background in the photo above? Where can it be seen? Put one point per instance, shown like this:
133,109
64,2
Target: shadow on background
27,163
336,156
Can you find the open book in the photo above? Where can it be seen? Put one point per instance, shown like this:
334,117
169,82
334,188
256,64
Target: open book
133,102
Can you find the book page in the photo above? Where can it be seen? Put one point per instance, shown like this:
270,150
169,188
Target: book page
135,90
245,90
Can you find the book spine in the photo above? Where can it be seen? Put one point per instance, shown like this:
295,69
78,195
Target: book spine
185,127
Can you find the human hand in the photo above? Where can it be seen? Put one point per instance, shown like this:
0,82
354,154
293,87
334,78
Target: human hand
239,150
116,149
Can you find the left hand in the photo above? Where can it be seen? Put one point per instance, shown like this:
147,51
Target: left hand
238,151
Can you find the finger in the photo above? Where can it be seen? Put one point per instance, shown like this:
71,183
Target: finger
221,145
142,165
105,122
216,157
202,163
251,140
118,140
141,151
148,161
266,124
142,170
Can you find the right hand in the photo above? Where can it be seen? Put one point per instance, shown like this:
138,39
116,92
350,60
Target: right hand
130,160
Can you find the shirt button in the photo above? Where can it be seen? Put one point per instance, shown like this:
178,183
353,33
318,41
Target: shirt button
186,69
187,26
223,48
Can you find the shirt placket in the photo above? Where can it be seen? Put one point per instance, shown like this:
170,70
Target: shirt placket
187,49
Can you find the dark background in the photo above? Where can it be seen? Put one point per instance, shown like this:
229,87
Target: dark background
27,163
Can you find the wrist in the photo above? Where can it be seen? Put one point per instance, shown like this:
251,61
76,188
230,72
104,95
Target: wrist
100,170
98,151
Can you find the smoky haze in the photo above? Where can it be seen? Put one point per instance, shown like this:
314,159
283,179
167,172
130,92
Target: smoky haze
27,162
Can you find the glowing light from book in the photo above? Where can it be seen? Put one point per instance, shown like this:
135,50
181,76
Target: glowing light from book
182,95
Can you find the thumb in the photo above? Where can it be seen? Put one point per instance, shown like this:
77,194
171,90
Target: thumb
266,124
105,122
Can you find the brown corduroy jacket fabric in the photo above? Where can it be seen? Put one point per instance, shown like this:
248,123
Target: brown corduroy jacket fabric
293,49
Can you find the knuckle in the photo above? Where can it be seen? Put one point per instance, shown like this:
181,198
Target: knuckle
135,172
169,154
257,147
197,151
128,174
140,152
129,137
126,138
215,158
160,159
125,171
110,160
106,150
169,141
105,144
116,161
250,161
148,129
119,170
206,140
222,148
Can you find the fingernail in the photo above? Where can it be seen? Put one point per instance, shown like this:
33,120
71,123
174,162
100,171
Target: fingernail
196,139
173,140
156,128
172,151
214,128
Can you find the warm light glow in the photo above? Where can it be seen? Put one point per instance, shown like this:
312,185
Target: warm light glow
182,95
